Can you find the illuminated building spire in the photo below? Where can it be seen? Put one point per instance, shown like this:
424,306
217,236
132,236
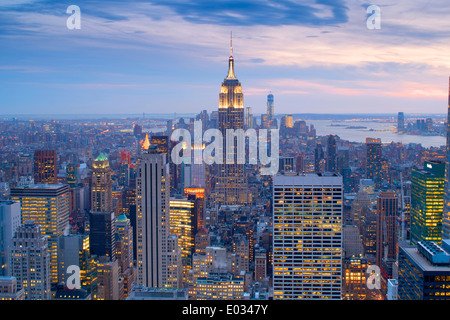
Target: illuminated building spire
231,61
146,143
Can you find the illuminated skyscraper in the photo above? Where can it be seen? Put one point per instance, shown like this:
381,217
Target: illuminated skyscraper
446,213
373,160
101,186
183,225
108,280
197,195
73,249
231,183
424,271
45,169
152,223
48,206
387,214
30,261
72,174
307,236
124,251
355,278
427,202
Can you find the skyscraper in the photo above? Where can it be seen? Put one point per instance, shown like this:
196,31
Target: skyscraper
373,160
124,251
9,222
307,236
45,169
446,212
401,122
331,154
48,206
248,118
30,261
101,186
152,205
73,249
387,213
270,108
427,202
424,271
103,234
231,183
183,224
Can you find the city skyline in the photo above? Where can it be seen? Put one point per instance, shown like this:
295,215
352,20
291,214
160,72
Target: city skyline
135,165
132,56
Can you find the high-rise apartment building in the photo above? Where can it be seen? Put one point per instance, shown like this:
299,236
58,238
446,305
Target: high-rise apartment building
48,206
30,261
307,236
152,223
427,202
45,168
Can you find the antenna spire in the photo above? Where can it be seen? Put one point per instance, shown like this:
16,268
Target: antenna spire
231,43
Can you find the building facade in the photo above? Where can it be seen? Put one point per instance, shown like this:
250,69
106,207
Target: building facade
307,236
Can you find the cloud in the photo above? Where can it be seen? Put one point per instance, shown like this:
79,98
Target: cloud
257,12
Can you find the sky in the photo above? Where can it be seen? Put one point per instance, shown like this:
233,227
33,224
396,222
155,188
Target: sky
171,56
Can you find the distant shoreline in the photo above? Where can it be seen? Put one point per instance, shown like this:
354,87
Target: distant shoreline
174,115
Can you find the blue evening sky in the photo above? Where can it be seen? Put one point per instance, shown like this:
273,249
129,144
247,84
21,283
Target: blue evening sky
170,56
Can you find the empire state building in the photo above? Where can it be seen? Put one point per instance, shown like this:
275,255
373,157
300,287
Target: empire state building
231,183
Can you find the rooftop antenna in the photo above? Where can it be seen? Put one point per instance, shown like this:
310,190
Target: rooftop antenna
231,43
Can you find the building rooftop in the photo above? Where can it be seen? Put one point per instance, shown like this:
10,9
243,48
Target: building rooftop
421,260
308,179
101,157
48,186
